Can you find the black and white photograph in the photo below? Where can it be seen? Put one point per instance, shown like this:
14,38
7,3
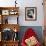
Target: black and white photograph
30,13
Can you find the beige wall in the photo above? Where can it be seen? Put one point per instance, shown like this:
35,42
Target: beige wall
45,21
44,12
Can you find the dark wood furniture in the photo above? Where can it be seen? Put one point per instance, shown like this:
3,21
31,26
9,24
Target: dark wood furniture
10,43
4,13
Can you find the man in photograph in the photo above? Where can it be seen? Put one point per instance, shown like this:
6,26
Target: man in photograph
30,13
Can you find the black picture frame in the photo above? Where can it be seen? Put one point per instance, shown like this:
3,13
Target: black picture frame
30,13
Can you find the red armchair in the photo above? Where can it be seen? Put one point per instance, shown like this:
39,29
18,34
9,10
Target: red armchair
30,38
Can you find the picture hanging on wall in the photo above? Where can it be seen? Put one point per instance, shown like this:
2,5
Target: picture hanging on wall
30,13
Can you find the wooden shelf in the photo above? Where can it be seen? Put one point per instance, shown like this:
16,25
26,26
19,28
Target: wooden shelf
10,9
11,26
11,41
4,13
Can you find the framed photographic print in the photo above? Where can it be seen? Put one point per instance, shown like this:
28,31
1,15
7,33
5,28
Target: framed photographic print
5,12
30,13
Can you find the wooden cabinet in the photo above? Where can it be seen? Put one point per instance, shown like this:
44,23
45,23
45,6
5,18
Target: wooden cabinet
10,43
7,27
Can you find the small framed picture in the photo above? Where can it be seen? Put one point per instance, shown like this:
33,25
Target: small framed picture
5,12
30,13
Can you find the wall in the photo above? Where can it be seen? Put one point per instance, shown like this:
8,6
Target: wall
45,13
32,3
26,3
45,22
